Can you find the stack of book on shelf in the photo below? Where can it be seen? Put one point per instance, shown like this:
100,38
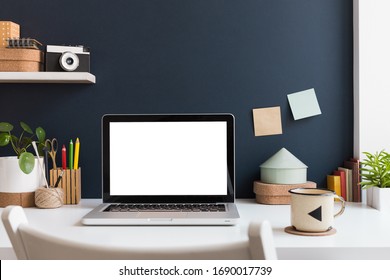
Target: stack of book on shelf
345,181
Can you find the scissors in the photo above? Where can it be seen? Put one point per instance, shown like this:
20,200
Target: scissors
52,147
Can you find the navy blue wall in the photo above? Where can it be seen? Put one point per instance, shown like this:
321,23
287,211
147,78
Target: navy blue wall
173,56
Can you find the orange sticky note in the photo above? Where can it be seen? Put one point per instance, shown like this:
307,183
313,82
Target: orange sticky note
267,121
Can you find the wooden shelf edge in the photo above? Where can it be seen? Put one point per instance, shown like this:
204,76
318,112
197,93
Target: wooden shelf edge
48,77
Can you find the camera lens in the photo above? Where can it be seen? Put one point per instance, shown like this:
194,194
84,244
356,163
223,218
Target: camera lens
69,61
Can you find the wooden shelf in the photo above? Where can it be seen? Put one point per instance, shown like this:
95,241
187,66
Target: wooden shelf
47,77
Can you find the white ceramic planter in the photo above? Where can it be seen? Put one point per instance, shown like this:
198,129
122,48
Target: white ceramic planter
379,198
13,180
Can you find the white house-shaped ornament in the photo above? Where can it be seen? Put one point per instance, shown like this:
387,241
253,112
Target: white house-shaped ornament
283,168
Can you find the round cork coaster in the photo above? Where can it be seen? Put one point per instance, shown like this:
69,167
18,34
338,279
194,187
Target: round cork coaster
292,230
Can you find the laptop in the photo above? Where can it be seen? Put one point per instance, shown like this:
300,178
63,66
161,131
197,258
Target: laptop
167,170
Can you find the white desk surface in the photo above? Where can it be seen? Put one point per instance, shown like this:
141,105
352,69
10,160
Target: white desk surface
362,232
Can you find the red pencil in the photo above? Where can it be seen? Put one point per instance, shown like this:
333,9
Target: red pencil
63,157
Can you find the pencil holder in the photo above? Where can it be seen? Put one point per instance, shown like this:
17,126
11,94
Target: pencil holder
70,184
49,197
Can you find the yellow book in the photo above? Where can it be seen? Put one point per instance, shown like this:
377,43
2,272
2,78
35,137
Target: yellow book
334,183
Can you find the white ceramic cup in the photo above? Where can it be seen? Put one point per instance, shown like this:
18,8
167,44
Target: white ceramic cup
312,210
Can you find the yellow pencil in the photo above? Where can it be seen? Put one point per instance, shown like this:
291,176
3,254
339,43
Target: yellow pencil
76,154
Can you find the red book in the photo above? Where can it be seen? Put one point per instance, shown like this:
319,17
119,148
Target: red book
343,182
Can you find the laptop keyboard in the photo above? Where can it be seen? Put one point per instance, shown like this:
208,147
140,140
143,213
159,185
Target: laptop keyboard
201,207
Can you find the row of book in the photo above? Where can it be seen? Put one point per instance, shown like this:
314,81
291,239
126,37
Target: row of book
345,181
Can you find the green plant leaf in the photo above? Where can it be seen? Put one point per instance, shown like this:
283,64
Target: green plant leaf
375,170
41,134
40,147
386,184
26,162
26,127
6,127
4,139
365,184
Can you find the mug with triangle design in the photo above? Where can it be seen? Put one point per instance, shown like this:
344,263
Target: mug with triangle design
312,210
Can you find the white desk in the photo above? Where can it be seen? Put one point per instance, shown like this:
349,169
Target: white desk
362,232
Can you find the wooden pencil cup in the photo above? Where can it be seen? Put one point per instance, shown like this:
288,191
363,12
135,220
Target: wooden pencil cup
70,184
49,197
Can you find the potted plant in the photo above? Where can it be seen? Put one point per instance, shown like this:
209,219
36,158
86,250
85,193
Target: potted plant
375,175
18,173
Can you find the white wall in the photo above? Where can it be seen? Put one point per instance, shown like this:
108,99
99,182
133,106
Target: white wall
372,76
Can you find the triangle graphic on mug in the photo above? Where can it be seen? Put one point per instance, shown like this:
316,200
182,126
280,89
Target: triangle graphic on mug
317,214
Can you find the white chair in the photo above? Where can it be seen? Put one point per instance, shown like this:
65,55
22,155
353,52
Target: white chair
30,243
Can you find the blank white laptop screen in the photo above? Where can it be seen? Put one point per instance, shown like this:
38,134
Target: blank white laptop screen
167,161
168,158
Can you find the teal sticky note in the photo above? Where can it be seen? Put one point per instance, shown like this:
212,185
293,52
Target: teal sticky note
304,104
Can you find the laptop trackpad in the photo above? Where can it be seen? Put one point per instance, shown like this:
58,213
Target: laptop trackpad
161,215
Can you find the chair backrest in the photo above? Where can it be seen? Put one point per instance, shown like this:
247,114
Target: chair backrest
30,243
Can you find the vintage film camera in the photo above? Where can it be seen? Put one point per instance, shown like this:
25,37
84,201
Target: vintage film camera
67,58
